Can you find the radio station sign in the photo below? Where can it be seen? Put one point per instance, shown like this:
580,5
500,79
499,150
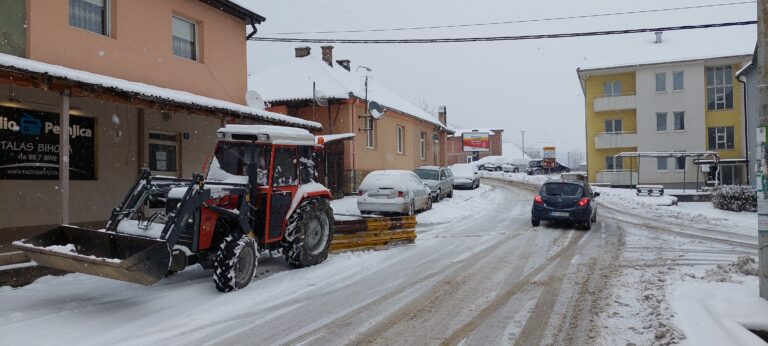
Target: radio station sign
29,145
476,141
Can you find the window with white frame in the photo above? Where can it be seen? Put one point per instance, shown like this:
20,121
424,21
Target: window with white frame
399,134
612,88
719,87
163,152
678,80
423,145
679,121
661,82
661,122
719,138
184,38
91,15
369,132
613,126
614,163
661,163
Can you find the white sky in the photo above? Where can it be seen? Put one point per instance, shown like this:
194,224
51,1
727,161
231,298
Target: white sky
520,85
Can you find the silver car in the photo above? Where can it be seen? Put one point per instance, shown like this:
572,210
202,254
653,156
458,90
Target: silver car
393,191
439,180
465,176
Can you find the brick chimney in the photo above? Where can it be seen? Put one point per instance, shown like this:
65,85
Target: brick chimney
344,63
442,115
302,51
328,55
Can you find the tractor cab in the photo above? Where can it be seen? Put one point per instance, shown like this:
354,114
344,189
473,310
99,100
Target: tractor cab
276,162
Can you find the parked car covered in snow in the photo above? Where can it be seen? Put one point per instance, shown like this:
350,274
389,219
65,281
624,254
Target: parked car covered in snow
515,165
439,180
465,176
490,163
536,167
393,191
566,201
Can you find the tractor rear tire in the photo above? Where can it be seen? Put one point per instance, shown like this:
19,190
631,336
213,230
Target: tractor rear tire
235,264
308,236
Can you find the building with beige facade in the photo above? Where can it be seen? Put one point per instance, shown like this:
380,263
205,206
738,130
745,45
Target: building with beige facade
139,83
336,94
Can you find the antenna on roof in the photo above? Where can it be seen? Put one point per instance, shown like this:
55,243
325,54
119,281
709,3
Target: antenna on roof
254,100
319,96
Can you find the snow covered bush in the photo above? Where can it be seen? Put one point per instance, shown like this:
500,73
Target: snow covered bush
735,198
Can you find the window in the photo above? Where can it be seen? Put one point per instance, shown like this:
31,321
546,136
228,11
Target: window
234,158
677,81
163,152
285,167
661,163
679,121
719,87
184,38
423,145
661,82
614,163
307,170
369,132
613,126
731,175
612,89
680,163
719,138
661,122
399,131
469,158
91,15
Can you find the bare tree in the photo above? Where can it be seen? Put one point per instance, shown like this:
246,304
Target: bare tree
423,104
575,158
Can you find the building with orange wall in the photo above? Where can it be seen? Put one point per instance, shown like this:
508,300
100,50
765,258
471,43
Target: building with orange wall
404,137
141,83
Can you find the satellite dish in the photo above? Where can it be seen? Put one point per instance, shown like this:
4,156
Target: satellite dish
320,97
435,137
254,100
375,109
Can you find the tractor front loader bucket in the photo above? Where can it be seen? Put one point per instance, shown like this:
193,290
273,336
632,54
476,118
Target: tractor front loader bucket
106,254
374,233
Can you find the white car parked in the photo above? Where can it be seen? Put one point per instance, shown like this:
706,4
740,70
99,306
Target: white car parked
515,165
465,176
393,191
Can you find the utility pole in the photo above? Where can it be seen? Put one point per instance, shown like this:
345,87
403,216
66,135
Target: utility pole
762,95
523,133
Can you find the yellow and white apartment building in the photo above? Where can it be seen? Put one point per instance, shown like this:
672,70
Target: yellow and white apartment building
684,105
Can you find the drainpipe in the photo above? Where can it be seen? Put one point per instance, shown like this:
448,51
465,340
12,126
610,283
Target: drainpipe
746,126
253,25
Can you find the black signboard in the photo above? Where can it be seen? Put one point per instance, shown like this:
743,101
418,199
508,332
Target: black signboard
29,145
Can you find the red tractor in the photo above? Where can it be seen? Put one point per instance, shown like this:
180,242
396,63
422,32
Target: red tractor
258,194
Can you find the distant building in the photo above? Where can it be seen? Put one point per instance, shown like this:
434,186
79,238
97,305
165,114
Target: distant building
333,93
688,100
456,153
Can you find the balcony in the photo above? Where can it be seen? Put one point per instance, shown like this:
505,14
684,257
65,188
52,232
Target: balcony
611,140
614,103
617,178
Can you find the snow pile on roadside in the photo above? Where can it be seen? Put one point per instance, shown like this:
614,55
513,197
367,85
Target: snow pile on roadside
744,265
657,207
720,313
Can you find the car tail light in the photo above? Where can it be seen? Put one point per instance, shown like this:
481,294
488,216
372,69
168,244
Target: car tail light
583,202
400,194
538,200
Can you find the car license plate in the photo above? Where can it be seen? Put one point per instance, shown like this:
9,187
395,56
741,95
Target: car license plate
560,214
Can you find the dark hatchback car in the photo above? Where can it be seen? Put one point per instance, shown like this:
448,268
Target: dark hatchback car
565,201
536,167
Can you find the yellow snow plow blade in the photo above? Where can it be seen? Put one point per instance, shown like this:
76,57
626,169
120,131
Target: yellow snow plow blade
373,233
111,255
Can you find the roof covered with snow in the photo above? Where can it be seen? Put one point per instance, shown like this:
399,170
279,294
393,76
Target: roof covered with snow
149,92
337,137
676,46
292,81
459,132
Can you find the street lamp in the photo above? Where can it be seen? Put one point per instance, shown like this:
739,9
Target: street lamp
523,133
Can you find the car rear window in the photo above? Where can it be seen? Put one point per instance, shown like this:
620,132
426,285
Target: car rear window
428,174
561,189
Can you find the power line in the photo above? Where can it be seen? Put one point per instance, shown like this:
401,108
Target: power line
501,38
606,14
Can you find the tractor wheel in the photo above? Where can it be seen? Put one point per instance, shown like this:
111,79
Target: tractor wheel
309,233
235,263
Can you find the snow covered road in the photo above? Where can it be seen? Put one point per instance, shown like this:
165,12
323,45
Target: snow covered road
485,277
